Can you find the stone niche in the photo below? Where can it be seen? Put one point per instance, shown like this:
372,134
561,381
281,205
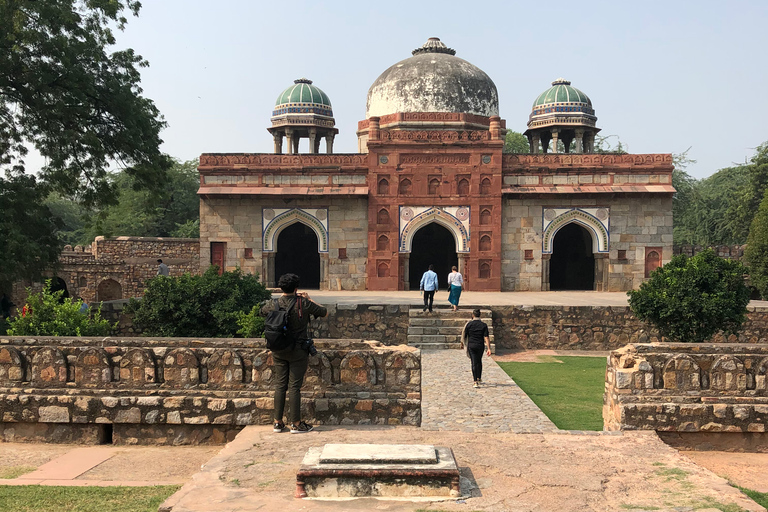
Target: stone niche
688,388
191,391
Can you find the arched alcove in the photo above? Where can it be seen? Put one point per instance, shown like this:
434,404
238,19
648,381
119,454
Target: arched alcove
463,187
405,187
382,217
383,188
297,253
485,217
432,244
572,264
109,289
434,187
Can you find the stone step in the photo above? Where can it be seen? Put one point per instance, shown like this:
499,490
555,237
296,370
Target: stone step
440,329
444,346
444,322
437,338
416,311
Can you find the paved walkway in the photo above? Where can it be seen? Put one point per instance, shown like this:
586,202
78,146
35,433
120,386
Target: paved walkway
449,402
574,298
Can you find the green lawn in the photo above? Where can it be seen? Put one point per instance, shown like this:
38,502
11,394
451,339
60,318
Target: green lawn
33,498
569,392
761,498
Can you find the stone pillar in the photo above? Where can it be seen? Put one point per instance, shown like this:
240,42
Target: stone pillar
405,265
289,140
268,269
374,132
329,143
555,134
278,137
495,128
589,141
312,138
545,272
601,272
536,143
464,268
324,274
579,142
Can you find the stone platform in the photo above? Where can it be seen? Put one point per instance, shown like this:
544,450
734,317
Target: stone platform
378,470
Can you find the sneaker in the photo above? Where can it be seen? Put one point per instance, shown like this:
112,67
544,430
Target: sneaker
477,384
301,428
279,426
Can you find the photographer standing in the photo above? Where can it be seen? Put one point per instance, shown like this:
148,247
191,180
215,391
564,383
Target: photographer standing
291,363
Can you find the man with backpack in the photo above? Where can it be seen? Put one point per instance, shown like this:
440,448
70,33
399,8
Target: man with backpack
287,337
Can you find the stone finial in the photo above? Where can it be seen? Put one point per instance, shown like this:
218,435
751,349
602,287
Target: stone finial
434,45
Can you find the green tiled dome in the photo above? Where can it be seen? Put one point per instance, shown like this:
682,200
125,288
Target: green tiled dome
561,92
303,92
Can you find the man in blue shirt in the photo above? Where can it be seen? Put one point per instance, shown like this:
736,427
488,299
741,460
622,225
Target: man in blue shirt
429,285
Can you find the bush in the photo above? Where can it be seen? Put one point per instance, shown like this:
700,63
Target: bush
48,314
690,299
206,306
251,323
756,253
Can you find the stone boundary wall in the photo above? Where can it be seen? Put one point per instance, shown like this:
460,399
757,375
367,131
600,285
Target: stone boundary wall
731,252
188,390
595,327
684,388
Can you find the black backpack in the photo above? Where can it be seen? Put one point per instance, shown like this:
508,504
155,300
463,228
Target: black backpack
276,327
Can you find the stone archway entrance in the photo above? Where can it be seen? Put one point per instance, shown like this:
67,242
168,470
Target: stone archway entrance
432,244
109,289
572,264
297,253
58,284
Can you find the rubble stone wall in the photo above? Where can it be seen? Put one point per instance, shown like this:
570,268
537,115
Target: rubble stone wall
681,387
595,327
189,391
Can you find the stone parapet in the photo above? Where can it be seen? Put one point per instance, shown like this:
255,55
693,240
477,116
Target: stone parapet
680,387
159,390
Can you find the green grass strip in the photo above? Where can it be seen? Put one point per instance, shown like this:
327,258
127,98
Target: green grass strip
33,498
570,392
761,498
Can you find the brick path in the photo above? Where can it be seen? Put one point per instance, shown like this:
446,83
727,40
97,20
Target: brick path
449,402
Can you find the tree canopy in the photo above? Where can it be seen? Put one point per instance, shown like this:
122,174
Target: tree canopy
80,106
516,142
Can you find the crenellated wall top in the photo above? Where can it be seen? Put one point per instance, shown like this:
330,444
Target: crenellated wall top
661,161
269,161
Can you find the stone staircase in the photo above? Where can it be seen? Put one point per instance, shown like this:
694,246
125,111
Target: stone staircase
441,329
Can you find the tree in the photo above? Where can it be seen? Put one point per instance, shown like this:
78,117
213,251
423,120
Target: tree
28,241
690,299
208,306
516,142
78,105
603,144
751,193
756,253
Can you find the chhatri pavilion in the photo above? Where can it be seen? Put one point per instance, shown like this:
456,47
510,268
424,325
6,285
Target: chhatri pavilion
430,184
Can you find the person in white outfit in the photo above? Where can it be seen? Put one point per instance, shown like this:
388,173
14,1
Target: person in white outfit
455,283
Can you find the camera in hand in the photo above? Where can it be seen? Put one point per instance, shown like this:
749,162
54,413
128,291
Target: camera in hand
309,346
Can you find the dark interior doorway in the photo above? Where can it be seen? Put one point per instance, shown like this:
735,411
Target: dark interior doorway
433,244
572,265
57,284
297,253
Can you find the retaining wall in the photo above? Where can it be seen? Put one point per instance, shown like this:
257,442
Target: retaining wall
688,388
190,391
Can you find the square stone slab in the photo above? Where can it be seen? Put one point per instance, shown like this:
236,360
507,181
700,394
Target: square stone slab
378,454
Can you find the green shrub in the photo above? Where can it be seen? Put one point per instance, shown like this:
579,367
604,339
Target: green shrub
251,324
206,306
690,299
48,314
756,253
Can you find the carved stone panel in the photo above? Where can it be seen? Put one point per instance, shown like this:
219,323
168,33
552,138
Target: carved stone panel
11,367
49,367
358,368
225,368
728,374
181,368
402,370
92,368
682,373
137,367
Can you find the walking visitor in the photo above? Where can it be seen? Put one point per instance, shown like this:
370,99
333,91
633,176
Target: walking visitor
455,282
291,363
162,268
429,286
475,339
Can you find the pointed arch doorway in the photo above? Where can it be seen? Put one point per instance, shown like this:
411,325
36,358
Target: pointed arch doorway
435,245
297,253
572,264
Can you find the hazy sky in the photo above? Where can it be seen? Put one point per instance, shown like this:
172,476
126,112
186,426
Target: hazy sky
664,76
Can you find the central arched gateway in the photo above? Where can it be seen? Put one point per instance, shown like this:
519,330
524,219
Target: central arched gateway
433,244
297,253
572,264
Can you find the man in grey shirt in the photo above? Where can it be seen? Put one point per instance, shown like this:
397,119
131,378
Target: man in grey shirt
162,269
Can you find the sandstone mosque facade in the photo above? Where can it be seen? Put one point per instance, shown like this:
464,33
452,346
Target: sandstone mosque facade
431,185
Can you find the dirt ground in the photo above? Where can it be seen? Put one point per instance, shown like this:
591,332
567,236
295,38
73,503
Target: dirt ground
748,470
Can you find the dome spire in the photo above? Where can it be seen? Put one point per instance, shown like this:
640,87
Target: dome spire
434,45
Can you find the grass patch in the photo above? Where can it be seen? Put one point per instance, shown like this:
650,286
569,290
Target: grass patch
15,471
32,498
570,392
761,498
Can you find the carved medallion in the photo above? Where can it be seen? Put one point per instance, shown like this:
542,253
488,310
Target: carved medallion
383,159
602,213
486,159
462,213
321,214
269,214
406,214
549,214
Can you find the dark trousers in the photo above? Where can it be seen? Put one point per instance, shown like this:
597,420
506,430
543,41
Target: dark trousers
429,298
476,356
290,367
